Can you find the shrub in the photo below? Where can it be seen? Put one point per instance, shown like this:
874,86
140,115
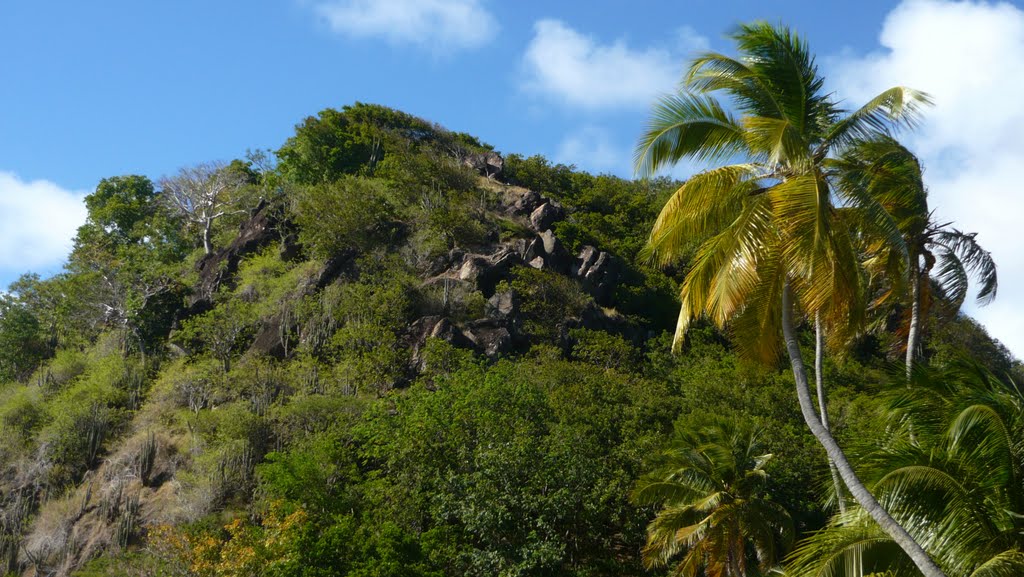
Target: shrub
350,214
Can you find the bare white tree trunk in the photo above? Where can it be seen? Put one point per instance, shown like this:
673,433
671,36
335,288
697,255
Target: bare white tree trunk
206,235
914,334
819,355
860,493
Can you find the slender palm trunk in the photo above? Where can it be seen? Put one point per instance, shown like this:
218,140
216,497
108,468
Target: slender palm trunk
914,334
819,355
860,493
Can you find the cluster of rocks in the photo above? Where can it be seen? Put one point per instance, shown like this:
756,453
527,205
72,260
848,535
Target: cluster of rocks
489,164
499,332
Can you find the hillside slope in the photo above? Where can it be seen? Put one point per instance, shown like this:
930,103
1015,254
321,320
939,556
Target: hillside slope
403,354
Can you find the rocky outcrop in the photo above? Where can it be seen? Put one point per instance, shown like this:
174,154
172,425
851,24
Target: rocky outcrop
271,340
218,268
598,272
334,267
490,337
546,215
522,202
547,253
434,327
486,271
503,305
489,164
596,318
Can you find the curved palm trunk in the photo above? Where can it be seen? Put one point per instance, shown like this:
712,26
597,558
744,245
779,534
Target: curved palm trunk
819,355
914,334
860,493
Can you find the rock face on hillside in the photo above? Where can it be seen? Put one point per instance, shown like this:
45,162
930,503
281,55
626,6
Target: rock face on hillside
599,273
489,164
219,267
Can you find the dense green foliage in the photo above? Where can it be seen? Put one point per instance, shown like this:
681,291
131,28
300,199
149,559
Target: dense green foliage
331,391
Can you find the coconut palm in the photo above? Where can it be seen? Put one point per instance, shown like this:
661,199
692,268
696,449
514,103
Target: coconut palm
709,483
774,235
958,485
889,172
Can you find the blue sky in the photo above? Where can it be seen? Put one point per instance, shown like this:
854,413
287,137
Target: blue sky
96,89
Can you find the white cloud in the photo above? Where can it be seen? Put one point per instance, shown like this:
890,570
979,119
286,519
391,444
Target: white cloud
38,221
576,69
591,148
437,24
970,57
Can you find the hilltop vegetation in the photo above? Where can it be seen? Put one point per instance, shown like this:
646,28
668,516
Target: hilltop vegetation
387,349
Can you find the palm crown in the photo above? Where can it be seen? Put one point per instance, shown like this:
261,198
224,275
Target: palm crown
884,169
709,482
781,213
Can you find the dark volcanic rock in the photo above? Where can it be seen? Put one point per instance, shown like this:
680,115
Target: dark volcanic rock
599,272
291,250
489,164
521,202
546,215
334,267
546,252
437,327
450,333
492,338
270,340
219,267
588,255
555,255
445,261
595,318
487,271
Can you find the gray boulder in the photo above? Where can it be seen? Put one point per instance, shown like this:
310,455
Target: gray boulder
545,216
492,338
599,273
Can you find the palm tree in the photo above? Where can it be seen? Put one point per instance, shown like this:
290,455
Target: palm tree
886,170
709,482
957,485
773,232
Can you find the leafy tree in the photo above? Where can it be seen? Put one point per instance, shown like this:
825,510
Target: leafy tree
343,142
324,148
525,466
122,206
21,345
710,483
125,261
771,235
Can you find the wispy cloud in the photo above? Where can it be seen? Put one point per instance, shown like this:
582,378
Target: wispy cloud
970,57
439,25
38,221
592,148
579,70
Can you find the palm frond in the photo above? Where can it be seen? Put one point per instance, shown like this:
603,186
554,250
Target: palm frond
974,260
700,206
1008,563
686,126
893,108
